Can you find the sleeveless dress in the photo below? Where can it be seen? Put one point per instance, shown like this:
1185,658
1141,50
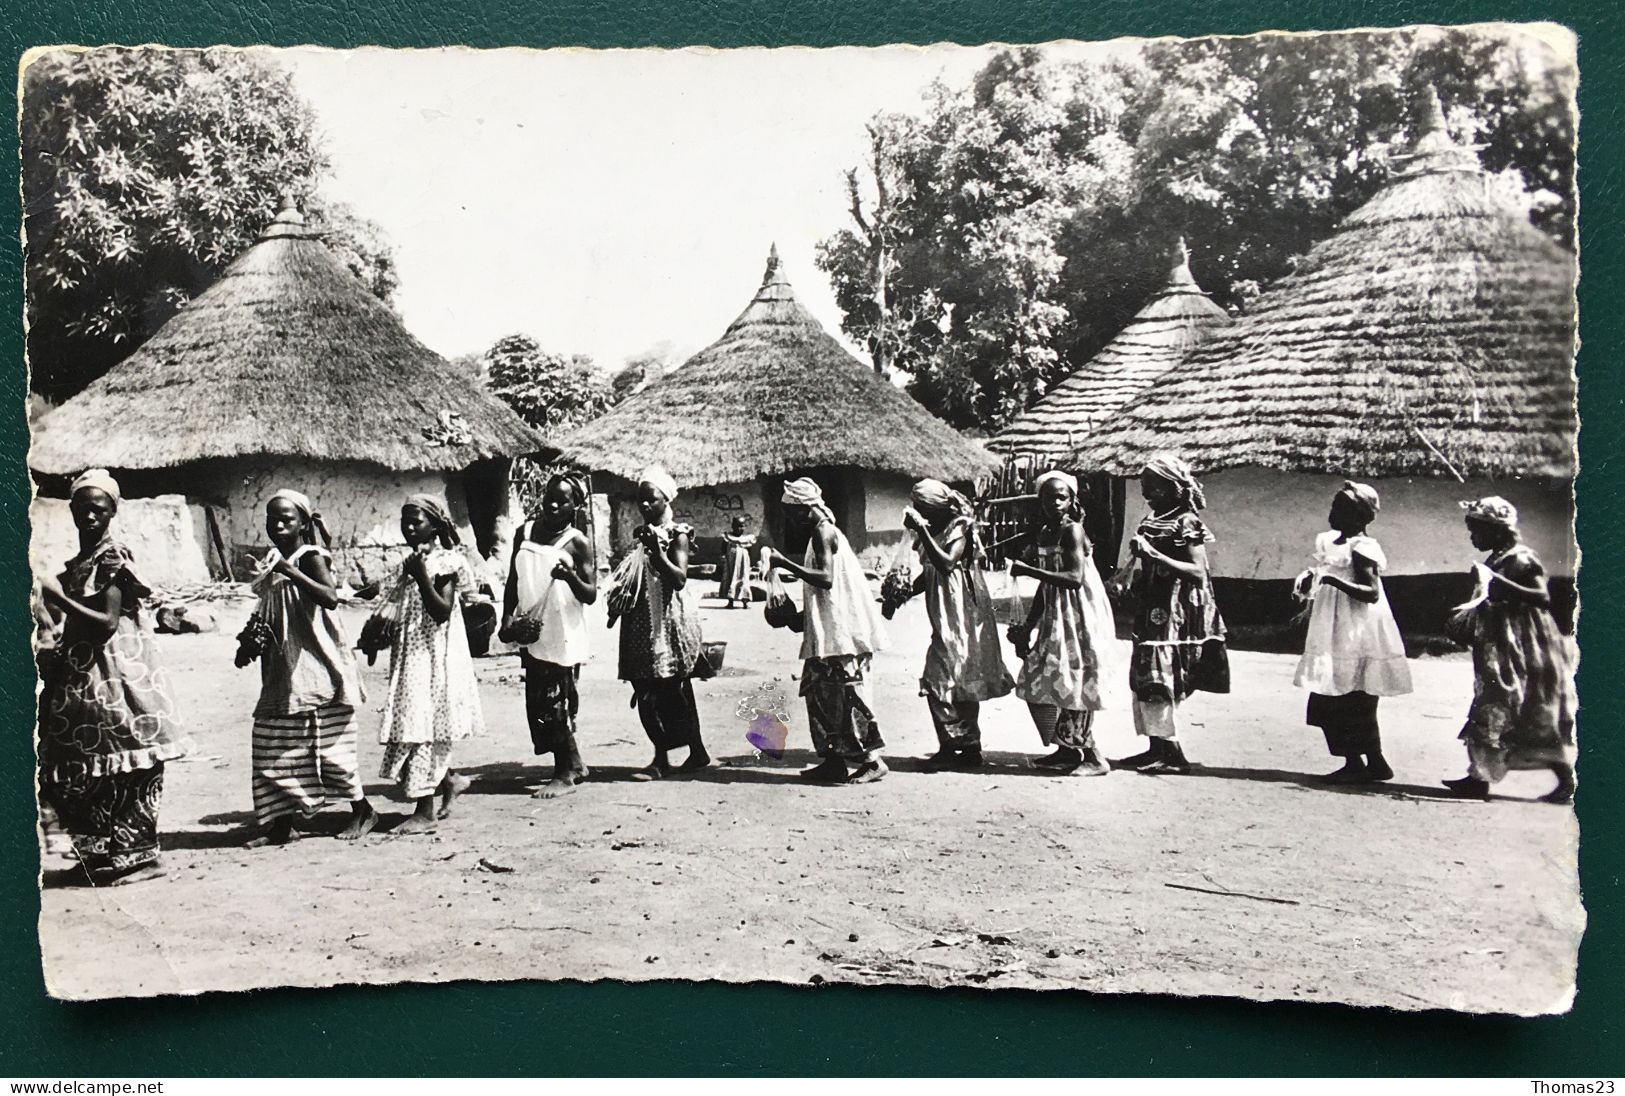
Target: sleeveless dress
1352,646
107,722
964,662
305,736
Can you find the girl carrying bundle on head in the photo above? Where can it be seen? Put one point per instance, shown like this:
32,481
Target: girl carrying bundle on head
304,723
1178,634
841,631
964,664
107,723
736,546
551,581
660,629
1352,654
1522,714
433,701
1063,642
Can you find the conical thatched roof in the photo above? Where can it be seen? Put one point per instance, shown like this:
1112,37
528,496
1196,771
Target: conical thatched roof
1433,334
774,394
1156,340
287,354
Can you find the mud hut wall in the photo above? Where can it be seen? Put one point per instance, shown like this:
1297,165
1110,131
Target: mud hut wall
359,503
710,509
167,536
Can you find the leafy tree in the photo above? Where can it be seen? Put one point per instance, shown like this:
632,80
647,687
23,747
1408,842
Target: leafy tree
548,391
145,172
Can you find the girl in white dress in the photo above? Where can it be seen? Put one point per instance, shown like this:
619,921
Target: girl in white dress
551,581
433,700
1353,653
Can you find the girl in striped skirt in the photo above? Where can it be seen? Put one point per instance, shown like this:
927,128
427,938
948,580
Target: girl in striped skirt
304,723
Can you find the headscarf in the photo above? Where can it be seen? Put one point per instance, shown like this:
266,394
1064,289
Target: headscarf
805,492
657,477
1067,480
1364,496
577,490
1493,510
301,502
439,513
1168,467
930,494
100,479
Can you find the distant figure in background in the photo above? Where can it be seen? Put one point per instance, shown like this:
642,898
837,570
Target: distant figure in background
1353,653
1522,714
1063,641
550,583
964,664
660,629
107,722
433,701
1178,635
736,546
305,753
841,631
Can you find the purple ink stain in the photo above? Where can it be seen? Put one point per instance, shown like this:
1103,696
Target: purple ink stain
768,733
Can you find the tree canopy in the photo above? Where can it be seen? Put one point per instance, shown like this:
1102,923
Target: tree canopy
146,172
999,240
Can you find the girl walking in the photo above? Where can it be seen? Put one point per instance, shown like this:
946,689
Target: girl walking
841,631
1522,714
736,546
304,723
1178,634
551,581
1068,629
660,629
107,722
964,665
1352,654
433,701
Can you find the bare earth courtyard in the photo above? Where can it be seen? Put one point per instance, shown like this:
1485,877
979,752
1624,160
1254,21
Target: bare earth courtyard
1245,878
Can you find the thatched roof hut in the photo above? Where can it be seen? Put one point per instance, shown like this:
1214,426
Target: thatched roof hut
1433,334
287,354
1427,347
286,372
777,396
1176,318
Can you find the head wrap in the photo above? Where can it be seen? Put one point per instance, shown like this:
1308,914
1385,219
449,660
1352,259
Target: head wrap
657,477
930,494
1065,479
1493,510
100,479
439,513
1364,496
301,502
578,491
1168,467
805,492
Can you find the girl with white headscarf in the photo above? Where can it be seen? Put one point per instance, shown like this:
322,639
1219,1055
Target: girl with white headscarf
660,629
305,735
841,631
107,722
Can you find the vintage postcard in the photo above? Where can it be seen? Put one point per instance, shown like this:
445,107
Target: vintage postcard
1079,516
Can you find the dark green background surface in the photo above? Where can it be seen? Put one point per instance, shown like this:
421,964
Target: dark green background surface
678,1028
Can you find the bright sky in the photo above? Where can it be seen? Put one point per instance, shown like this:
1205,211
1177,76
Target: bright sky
604,202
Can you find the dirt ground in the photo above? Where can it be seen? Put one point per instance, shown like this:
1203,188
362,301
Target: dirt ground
1244,878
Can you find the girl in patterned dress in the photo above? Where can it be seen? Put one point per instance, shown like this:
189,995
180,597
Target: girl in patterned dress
964,664
433,700
1353,653
660,630
1178,634
1522,714
107,723
550,583
1064,638
304,743
736,546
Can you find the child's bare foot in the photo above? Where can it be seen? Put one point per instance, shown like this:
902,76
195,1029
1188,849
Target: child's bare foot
1063,760
279,832
1092,764
1468,787
830,771
1564,792
697,759
1377,769
450,788
560,785
654,770
416,823
362,820
1352,772
869,772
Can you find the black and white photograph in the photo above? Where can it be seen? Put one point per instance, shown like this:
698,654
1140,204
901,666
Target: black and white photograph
1082,516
